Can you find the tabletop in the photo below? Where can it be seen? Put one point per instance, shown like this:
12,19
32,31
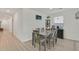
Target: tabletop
45,33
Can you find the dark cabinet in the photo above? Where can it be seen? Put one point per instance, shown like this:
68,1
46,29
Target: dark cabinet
60,33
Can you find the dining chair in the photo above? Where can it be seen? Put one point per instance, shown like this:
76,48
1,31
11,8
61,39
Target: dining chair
34,37
49,39
52,38
38,40
54,30
55,36
42,42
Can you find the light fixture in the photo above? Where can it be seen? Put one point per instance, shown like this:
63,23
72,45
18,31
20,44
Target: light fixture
50,8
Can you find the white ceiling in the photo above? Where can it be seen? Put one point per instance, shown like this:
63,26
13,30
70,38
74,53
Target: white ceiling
6,13
49,10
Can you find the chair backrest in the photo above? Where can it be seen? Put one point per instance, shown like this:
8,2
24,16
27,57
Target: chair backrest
36,35
50,35
55,34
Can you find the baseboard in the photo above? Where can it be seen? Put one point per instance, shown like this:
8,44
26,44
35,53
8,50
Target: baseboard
71,39
26,40
22,39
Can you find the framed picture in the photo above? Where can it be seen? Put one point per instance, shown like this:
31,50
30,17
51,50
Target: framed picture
38,17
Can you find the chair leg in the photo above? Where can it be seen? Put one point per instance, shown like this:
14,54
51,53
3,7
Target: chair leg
45,46
39,46
34,43
49,43
53,42
32,38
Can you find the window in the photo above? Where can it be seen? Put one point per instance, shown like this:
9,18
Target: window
58,19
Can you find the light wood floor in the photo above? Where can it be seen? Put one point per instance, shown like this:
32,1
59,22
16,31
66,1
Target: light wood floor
8,42
62,45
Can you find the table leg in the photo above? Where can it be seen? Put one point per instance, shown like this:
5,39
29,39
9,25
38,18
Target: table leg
45,46
49,43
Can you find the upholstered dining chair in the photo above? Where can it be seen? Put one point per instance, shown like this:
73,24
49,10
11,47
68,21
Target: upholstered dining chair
38,40
42,42
48,39
34,37
52,38
54,30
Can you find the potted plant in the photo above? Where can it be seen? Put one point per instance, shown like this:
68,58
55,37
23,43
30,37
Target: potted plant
48,17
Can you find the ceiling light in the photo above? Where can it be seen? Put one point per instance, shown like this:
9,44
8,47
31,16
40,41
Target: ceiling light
50,8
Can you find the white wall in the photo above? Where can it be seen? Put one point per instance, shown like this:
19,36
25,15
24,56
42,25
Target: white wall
71,25
30,22
25,22
18,18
